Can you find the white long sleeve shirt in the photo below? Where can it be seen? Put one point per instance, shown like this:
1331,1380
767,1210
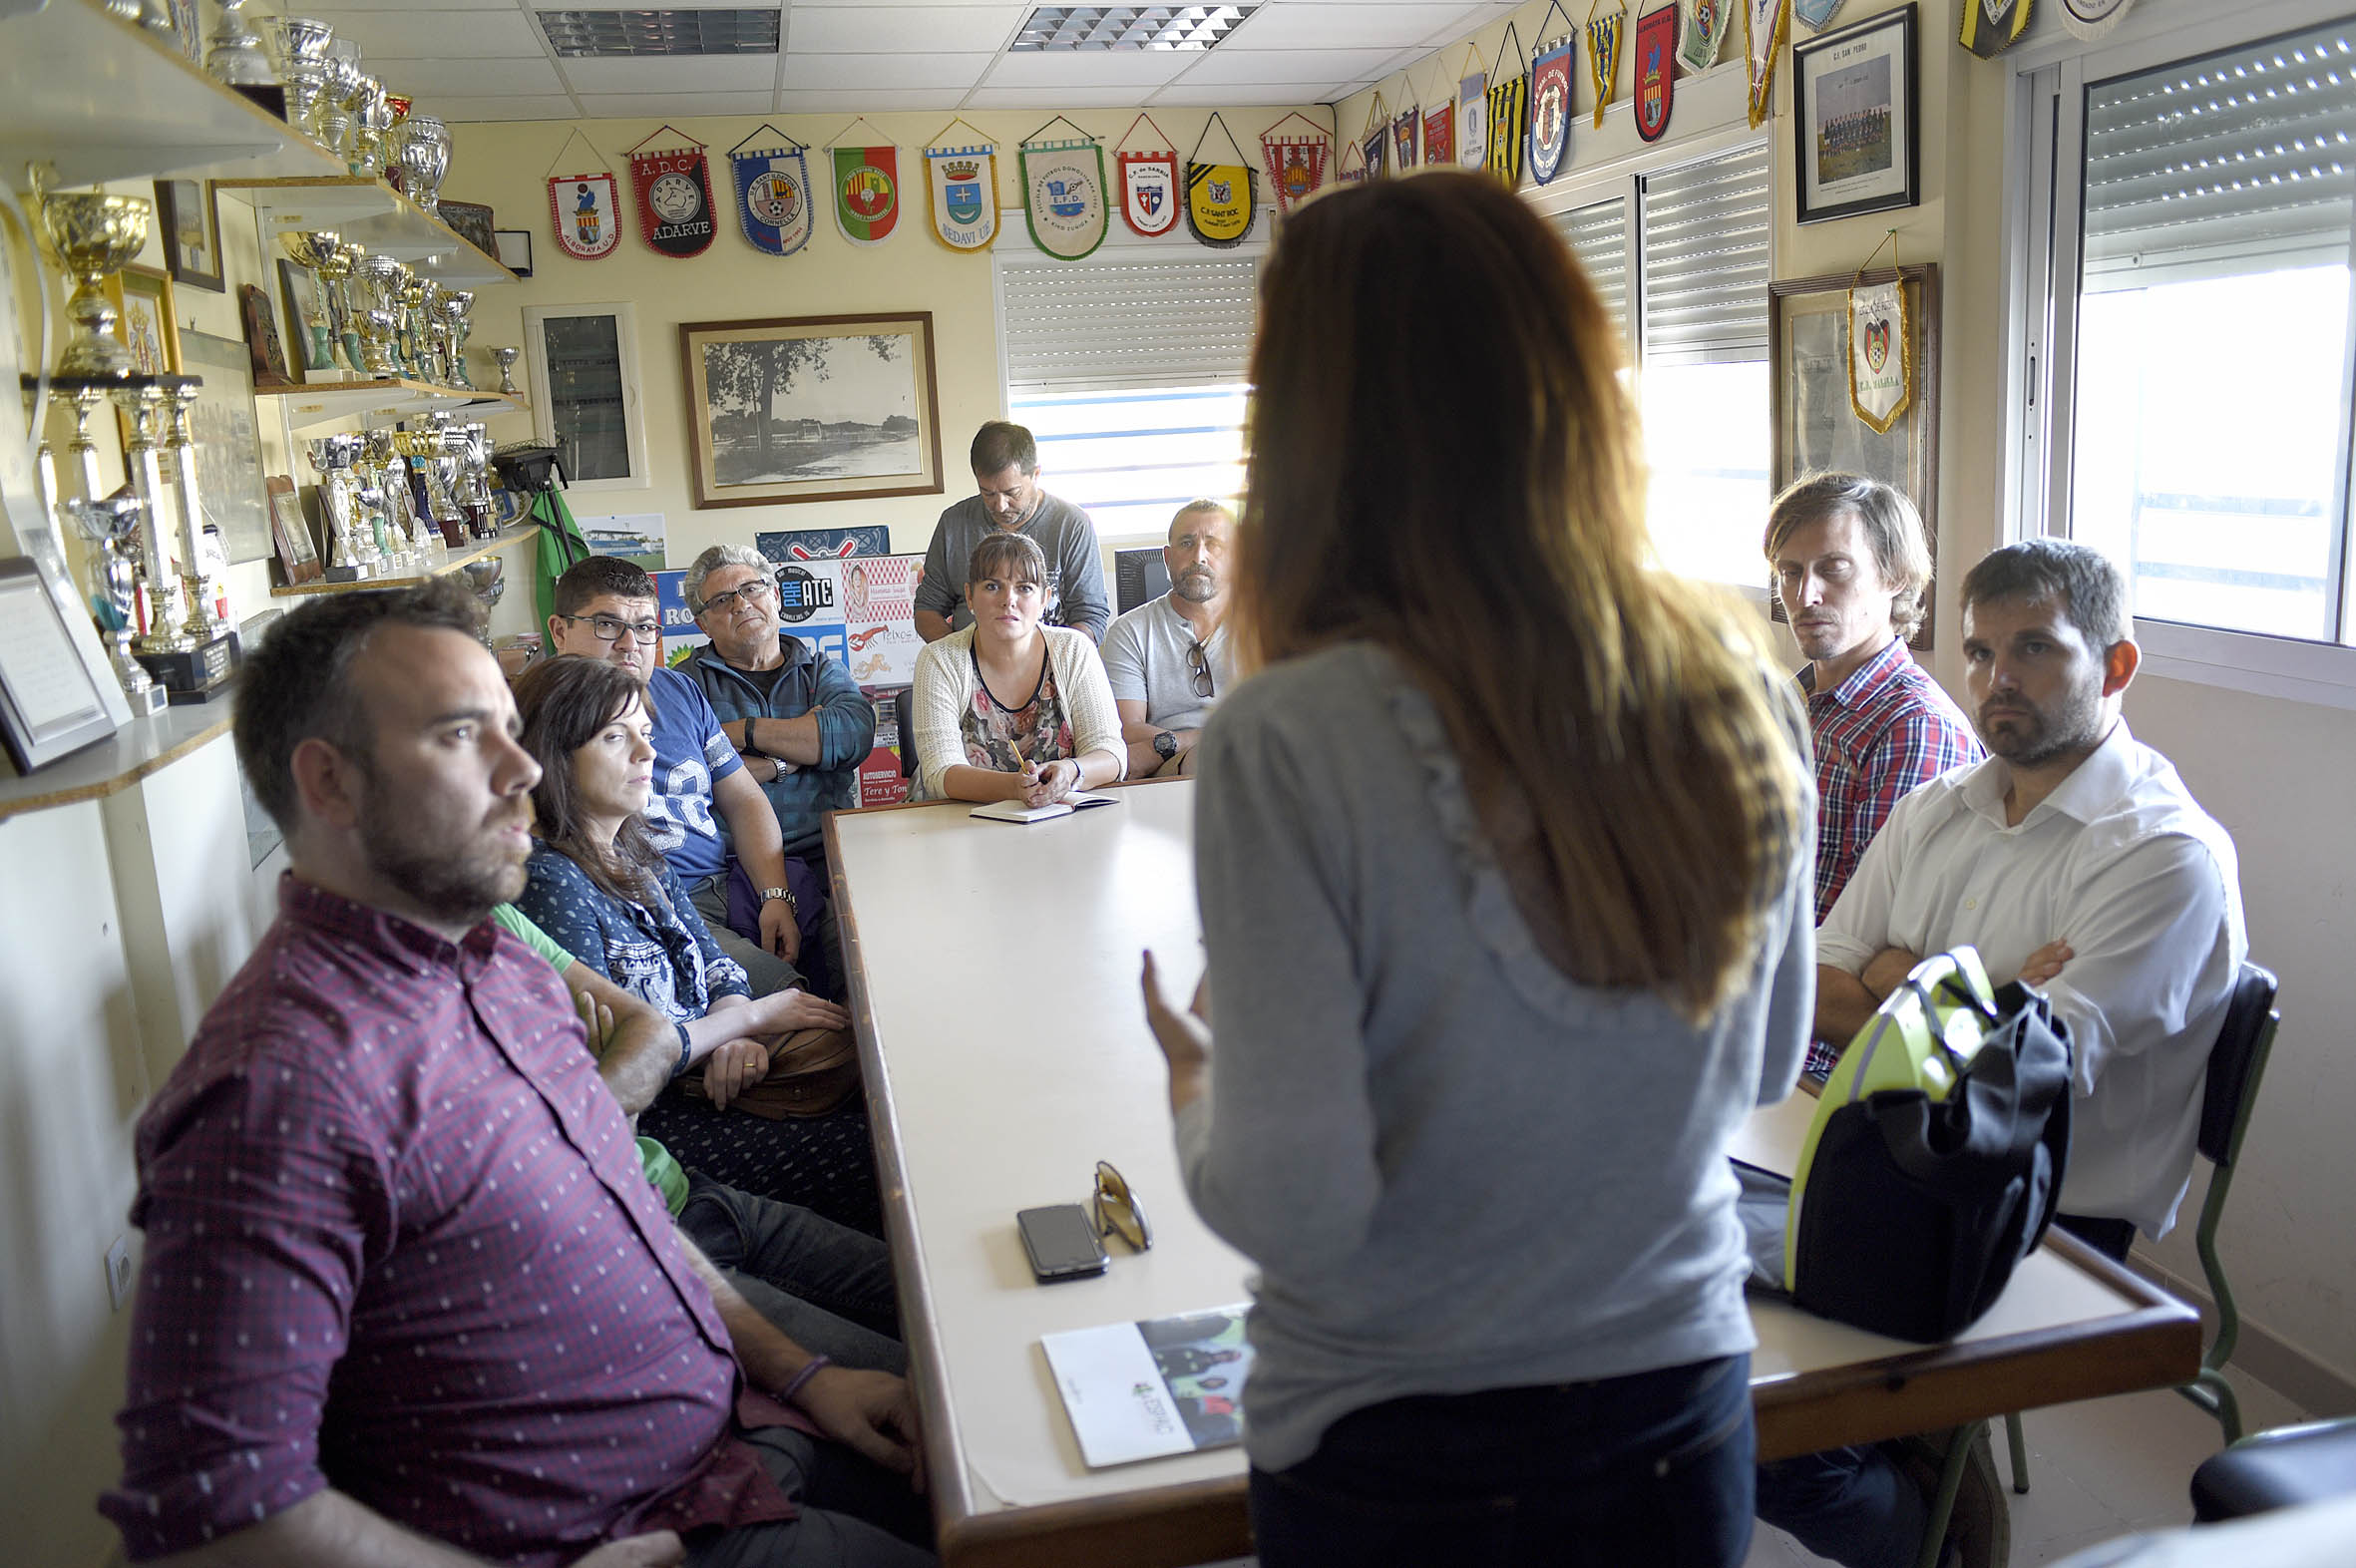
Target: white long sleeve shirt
2121,863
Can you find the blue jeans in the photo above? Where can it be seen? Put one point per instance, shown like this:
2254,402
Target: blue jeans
826,1285
1650,1468
1851,1505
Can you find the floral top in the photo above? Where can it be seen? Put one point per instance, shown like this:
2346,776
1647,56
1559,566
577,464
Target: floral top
1002,738
660,953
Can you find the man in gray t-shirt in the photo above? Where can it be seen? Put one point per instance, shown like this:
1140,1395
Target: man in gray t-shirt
1168,659
1007,473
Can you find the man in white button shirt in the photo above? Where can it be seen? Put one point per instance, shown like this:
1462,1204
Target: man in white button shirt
2075,858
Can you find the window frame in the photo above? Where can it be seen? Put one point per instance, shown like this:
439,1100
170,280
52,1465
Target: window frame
2043,166
633,402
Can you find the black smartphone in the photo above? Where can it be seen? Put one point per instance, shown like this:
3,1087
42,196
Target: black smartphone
1062,1243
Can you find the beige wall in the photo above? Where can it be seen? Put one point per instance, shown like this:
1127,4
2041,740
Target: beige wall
506,166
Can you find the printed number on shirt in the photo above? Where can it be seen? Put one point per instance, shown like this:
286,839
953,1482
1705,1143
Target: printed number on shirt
680,806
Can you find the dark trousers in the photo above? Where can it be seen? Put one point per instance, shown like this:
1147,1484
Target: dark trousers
2111,1238
855,1513
1651,1469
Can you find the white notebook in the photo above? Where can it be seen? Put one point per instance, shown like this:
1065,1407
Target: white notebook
1140,1391
1015,811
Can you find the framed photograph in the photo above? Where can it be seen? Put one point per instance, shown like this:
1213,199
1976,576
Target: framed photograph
261,337
1816,429
290,534
472,220
515,250
142,296
582,365
230,489
50,702
1856,118
813,408
189,217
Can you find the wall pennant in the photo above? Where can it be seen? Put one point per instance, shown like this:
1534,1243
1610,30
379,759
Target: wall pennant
1603,54
2091,19
1221,198
1350,167
1705,30
1881,348
865,185
1505,105
1817,14
1440,133
1990,27
1149,183
1296,162
1656,69
1550,106
1765,22
1472,113
962,178
1063,192
1375,140
674,189
773,193
587,214
1403,129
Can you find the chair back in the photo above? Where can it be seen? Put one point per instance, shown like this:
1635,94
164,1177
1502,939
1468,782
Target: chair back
2237,1062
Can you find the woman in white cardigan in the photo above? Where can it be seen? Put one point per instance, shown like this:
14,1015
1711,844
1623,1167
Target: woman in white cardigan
1009,709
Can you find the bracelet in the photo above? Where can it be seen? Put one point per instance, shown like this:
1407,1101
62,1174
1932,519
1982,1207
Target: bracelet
687,1050
810,1369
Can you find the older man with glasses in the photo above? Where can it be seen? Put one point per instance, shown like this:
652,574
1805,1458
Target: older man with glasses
1167,660
795,716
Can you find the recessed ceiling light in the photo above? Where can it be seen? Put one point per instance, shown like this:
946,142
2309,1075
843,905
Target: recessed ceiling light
574,34
1136,27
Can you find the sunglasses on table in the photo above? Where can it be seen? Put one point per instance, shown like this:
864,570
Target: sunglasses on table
1198,665
605,628
1116,1210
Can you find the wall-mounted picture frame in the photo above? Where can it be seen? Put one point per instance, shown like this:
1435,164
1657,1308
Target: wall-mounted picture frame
261,338
141,297
230,489
473,224
1817,430
582,369
290,534
515,250
811,408
1856,118
187,216
50,702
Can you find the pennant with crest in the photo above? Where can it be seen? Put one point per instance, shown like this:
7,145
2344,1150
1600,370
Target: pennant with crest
1817,14
962,180
1656,69
1350,167
1375,140
1149,183
1403,129
1295,160
1705,31
2091,19
866,192
1472,113
772,192
1550,106
1440,133
587,214
675,188
1765,22
1506,106
1604,34
1063,192
1881,353
1221,198
1990,27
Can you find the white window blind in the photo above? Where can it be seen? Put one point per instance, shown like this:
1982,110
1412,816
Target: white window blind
1111,322
1598,236
2240,162
1704,262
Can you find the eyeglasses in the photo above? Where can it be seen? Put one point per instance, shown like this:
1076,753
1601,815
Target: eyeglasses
725,604
1116,1208
607,629
1199,663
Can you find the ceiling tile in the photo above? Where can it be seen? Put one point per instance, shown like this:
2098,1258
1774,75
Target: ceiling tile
668,106
553,106
331,9
830,101
1356,25
477,78
1090,67
883,71
1053,98
921,28
438,34
1212,95
1286,65
673,74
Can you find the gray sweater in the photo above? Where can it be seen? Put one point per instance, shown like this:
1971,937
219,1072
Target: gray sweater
1456,1170
1075,573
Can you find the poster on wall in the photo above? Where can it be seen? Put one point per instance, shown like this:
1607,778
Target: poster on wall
880,617
823,544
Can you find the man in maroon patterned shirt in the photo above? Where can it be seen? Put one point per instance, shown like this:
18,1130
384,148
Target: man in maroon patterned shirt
1852,567
407,1298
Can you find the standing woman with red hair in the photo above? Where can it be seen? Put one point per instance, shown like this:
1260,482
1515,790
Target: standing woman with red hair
1504,857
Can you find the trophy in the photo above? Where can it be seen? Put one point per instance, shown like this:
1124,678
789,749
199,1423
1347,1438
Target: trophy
233,56
94,235
456,303
416,345
297,48
351,555
429,449
339,86
112,528
162,635
422,152
506,359
203,621
410,536
381,280
320,250
372,120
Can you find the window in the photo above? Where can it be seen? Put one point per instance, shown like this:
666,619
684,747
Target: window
1129,367
2200,413
1700,346
584,362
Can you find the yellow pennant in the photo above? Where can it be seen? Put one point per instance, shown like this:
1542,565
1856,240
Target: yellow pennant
1218,202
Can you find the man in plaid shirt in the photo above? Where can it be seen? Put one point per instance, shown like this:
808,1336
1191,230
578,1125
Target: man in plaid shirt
1851,568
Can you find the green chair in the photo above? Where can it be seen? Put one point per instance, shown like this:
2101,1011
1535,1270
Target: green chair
2236,1064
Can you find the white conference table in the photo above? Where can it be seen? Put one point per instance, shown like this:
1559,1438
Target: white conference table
993,980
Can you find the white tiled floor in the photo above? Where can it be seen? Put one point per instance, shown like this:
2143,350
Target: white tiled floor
2095,1470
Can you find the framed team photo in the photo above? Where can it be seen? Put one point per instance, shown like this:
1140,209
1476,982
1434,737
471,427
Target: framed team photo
1857,120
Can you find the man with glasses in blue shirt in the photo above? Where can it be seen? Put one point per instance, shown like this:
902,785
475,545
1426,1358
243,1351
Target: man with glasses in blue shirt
606,609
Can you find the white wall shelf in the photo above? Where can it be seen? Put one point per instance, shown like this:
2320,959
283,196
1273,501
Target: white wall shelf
481,549
379,402
104,98
371,214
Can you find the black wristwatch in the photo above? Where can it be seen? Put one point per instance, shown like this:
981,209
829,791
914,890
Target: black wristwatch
1165,745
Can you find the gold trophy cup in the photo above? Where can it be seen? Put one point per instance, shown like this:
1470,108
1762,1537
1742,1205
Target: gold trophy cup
94,235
